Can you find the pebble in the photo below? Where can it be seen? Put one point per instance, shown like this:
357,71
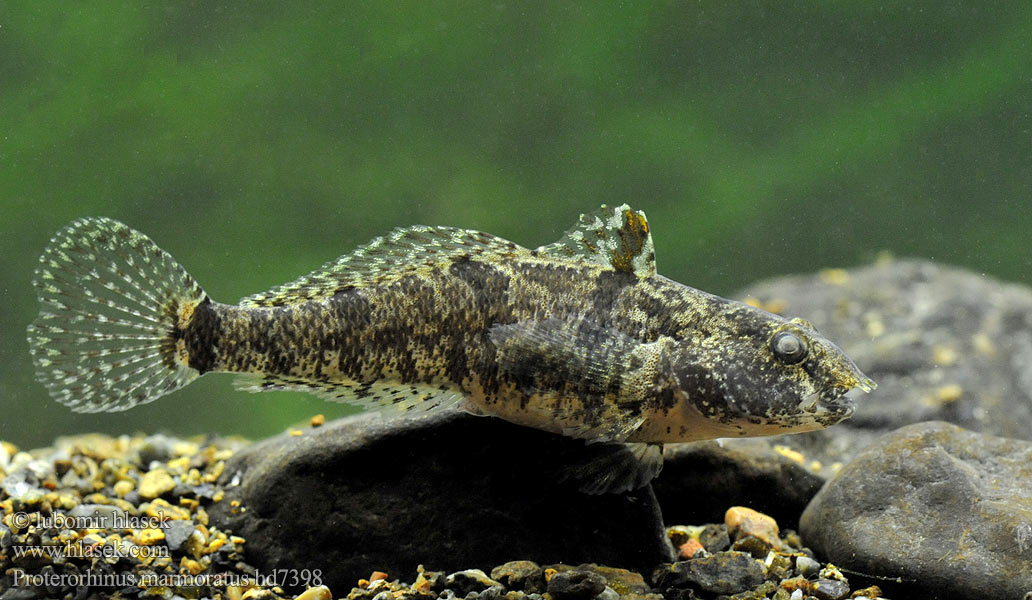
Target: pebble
728,572
689,549
155,483
742,521
714,538
123,487
829,589
177,532
522,575
320,592
470,580
576,585
807,566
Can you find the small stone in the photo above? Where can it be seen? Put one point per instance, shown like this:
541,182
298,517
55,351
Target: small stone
123,487
870,593
723,573
427,581
160,509
742,521
177,532
779,566
679,594
807,566
97,516
689,549
156,448
578,584
520,575
830,589
6,537
470,580
192,566
753,545
761,592
609,594
714,538
20,593
316,593
149,536
155,483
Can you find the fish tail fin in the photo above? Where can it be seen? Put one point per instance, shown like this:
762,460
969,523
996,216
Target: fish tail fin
112,309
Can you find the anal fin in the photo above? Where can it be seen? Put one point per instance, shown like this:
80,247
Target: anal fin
379,396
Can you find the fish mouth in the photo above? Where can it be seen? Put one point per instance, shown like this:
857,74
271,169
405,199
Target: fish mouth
836,403
831,405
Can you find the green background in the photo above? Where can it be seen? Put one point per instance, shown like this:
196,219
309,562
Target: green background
256,140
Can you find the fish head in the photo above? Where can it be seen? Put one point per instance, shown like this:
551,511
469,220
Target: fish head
757,374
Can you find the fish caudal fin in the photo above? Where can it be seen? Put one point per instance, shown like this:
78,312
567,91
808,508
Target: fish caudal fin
112,309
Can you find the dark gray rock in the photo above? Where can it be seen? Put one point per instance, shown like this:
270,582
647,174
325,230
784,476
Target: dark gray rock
450,490
829,589
724,573
618,583
945,508
177,532
520,575
576,585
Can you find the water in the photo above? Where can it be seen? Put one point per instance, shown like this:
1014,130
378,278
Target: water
256,142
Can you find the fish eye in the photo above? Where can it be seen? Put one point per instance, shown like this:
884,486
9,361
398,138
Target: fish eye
788,347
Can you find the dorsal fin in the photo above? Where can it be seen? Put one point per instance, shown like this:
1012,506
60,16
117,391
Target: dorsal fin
617,237
401,252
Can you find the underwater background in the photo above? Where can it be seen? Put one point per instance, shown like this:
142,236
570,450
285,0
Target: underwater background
256,141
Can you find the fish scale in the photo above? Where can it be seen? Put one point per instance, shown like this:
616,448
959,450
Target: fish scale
580,337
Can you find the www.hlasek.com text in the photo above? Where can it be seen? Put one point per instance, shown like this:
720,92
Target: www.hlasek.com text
78,549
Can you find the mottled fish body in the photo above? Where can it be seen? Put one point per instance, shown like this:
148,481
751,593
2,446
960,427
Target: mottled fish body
580,337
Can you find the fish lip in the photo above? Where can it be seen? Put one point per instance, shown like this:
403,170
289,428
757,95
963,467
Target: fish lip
835,400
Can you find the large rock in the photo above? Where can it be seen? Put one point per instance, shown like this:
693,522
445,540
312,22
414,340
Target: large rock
451,490
947,509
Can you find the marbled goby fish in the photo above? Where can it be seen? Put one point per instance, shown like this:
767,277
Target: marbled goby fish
580,337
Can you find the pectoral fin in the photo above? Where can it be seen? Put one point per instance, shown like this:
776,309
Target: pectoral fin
549,353
588,378
614,468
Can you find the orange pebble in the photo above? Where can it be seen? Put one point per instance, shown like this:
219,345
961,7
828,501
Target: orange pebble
689,548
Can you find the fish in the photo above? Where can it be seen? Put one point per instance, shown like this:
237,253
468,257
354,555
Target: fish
580,337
